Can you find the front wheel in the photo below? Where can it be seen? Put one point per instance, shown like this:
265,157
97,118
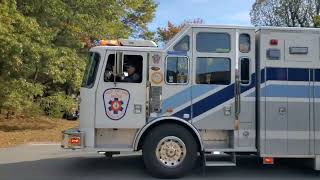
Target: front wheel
169,151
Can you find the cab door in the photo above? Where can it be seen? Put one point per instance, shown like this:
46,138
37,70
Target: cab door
121,103
213,89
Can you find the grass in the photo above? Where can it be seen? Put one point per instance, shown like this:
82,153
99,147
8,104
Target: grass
21,129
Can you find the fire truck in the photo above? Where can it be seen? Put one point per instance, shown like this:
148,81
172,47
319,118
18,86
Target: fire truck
211,91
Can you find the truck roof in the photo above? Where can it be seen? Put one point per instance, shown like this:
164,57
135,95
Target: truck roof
252,27
273,28
187,27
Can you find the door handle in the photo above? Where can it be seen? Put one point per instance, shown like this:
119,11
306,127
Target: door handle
282,110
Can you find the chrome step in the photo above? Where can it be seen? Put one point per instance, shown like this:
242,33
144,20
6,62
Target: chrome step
220,163
219,150
221,159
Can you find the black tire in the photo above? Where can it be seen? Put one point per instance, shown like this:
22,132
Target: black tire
154,166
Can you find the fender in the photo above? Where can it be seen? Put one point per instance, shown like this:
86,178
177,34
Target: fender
141,132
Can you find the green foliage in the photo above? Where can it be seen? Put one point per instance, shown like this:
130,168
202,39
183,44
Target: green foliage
316,20
42,43
18,95
58,103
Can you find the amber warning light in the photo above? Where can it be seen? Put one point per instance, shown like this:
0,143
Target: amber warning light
106,43
75,141
268,160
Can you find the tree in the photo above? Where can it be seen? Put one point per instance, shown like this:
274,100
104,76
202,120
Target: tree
317,21
42,43
164,34
300,13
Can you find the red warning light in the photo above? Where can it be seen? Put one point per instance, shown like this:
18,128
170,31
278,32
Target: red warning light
274,42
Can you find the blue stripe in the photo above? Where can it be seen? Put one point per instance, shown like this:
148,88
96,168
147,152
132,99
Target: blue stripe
277,74
184,96
208,102
287,74
213,100
290,91
198,90
263,76
295,74
317,91
317,75
176,100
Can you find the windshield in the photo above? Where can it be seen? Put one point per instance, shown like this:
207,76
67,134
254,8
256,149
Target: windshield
91,70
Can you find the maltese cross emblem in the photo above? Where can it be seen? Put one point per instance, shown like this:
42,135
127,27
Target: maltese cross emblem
115,105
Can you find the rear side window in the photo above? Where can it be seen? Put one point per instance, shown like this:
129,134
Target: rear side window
245,70
213,42
183,44
244,43
91,70
213,70
177,70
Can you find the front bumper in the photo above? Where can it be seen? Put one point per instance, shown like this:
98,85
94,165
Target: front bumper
72,139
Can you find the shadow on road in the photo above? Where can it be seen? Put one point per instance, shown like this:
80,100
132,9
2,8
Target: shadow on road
131,167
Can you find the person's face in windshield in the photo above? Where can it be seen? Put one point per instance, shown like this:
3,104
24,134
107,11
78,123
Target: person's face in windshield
131,70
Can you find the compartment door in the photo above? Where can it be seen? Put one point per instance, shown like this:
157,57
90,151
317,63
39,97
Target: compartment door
299,95
276,111
317,110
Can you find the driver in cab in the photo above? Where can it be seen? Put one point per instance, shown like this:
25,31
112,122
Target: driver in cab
133,76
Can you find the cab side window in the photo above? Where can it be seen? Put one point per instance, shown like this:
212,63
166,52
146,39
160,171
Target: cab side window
131,69
213,70
183,44
212,42
177,70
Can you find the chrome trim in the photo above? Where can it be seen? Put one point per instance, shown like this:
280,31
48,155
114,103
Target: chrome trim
143,129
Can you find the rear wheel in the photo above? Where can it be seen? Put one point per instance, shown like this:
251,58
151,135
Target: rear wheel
169,151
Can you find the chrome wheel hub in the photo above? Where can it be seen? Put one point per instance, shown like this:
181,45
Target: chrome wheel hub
171,151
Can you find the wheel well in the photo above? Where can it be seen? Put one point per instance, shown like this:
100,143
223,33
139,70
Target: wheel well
168,121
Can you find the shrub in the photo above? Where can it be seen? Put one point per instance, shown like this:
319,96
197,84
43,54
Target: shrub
17,96
57,104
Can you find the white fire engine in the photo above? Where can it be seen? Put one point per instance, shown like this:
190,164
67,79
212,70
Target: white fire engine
212,91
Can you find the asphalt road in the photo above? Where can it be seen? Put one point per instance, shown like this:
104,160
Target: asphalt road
32,162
